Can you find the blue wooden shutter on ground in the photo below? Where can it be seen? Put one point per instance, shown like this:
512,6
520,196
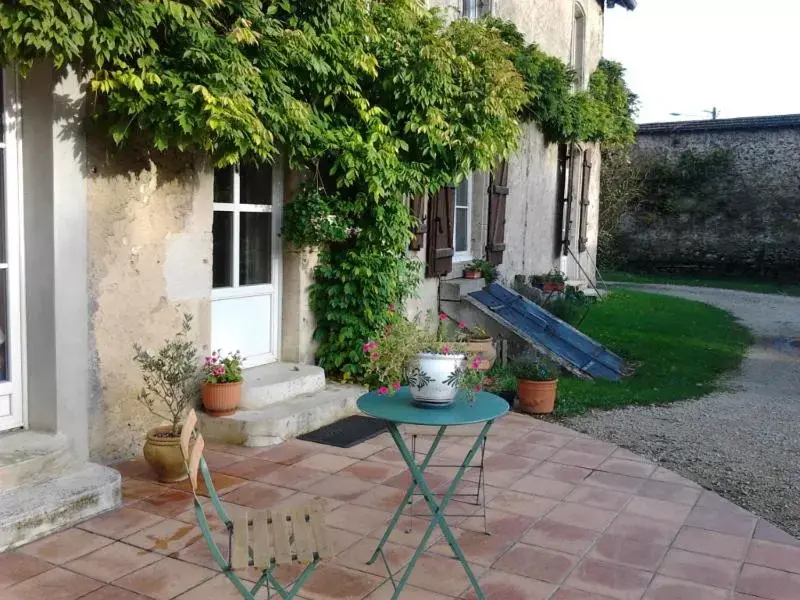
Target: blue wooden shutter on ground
498,193
441,212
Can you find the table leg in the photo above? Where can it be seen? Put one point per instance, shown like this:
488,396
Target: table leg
399,512
437,510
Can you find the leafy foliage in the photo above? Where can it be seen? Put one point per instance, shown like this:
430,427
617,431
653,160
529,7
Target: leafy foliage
531,367
220,368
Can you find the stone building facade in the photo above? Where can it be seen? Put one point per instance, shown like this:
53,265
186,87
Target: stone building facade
746,221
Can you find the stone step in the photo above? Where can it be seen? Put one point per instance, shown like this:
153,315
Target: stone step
32,511
283,420
30,456
275,382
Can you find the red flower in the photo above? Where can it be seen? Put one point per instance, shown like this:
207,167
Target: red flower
442,317
383,390
375,356
391,308
396,385
462,325
446,349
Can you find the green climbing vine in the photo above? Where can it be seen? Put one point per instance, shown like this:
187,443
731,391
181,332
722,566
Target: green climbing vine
373,100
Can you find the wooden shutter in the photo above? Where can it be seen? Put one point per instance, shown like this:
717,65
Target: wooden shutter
441,211
496,234
586,181
420,227
572,159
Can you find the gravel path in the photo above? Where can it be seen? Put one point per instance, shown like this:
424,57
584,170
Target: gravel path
744,441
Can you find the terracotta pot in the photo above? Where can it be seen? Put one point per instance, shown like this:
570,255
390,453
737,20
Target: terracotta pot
222,399
472,274
163,454
537,397
485,350
554,287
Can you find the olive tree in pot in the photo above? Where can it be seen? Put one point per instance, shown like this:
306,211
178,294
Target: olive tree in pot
538,379
171,385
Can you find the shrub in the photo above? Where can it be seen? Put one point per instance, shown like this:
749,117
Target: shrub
534,368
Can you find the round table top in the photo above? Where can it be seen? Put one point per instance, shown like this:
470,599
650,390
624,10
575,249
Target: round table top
400,408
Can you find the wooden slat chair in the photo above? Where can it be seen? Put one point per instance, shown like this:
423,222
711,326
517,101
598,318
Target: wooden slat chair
263,539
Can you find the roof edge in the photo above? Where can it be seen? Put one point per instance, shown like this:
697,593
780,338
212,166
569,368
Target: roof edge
768,122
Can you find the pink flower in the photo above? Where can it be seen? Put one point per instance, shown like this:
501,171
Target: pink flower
213,360
476,362
383,390
446,349
442,317
488,381
478,388
369,346
391,308
375,356
462,325
396,385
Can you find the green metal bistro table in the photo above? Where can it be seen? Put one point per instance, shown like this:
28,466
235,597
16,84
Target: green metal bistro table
399,409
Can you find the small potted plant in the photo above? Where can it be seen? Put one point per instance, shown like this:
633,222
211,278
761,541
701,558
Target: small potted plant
500,380
480,268
170,386
480,344
554,281
222,383
538,379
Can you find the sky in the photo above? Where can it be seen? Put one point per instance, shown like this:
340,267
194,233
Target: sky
688,56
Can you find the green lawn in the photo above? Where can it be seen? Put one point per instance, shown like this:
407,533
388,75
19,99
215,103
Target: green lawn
679,348
730,283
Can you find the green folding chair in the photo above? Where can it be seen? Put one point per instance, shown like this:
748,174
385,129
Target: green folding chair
264,539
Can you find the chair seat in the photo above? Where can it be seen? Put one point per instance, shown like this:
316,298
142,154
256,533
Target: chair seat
280,536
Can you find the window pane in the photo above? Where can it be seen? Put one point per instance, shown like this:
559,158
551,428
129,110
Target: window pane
462,235
256,184
222,235
5,367
223,185
462,193
255,248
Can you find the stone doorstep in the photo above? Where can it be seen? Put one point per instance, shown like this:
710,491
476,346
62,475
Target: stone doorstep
281,421
30,456
80,492
455,289
269,384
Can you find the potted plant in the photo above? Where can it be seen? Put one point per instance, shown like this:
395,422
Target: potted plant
538,379
479,343
500,380
170,386
480,268
554,281
434,365
222,383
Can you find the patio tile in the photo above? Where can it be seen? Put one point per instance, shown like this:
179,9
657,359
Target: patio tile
257,495
543,486
536,563
286,453
169,504
628,455
217,460
120,523
111,592
609,579
222,483
388,455
359,451
65,545
357,555
381,497
776,556
165,579
16,567
591,446
522,504
599,497
250,468
546,438
634,468
625,551
409,532
165,537
55,584
711,542
136,468
479,548
441,575
112,562
768,583
136,489
333,582
561,472
715,501
658,509
509,462
433,478
614,481
358,519
497,585
644,529
563,537
340,487
528,450
700,568
573,594
293,477
216,588
498,522
666,588
671,492
770,533
243,451
372,471
722,521
410,592
575,458
330,463
662,474
581,515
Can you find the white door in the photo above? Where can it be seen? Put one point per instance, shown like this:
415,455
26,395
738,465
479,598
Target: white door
12,406
246,295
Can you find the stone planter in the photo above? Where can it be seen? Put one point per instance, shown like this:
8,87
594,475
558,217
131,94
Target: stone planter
427,378
222,399
485,350
163,453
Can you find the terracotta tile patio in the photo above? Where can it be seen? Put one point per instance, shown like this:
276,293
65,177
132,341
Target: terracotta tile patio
570,518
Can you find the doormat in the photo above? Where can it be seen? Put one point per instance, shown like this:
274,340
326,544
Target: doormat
346,432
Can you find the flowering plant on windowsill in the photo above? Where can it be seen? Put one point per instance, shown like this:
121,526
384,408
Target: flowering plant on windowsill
223,369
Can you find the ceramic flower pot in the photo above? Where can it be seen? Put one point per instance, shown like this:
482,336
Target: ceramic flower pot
485,350
163,453
428,376
537,397
221,399
472,274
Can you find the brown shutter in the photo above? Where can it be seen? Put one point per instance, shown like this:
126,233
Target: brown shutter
584,218
498,193
573,159
440,232
561,196
420,226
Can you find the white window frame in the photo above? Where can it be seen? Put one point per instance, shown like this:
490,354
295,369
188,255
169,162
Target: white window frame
463,255
578,45
470,9
14,387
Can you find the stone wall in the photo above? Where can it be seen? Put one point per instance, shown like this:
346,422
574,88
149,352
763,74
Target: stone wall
149,262
747,222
